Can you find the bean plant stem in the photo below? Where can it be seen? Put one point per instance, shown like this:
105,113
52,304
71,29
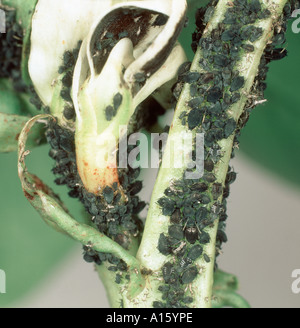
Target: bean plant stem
156,222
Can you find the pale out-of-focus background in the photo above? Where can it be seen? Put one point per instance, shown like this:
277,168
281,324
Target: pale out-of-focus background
263,245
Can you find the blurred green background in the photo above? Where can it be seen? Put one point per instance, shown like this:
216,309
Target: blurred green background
30,250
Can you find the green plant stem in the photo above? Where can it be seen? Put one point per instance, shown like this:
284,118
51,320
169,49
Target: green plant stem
156,222
53,212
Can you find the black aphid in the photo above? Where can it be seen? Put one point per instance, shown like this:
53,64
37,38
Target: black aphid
229,127
65,94
195,252
195,118
256,34
117,101
276,54
208,165
139,207
67,80
167,271
67,143
185,67
248,47
204,238
189,275
193,90
164,288
214,94
108,194
221,236
235,97
112,268
110,112
216,190
69,60
93,209
204,199
237,83
140,77
136,187
164,245
228,35
168,207
230,177
191,234
195,102
221,60
206,258
176,217
199,186
209,177
188,211
202,213
191,77
69,112
279,39
118,278
226,191
215,109
175,231
160,20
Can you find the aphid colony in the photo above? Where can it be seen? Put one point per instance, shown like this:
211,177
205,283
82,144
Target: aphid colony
109,214
132,23
11,51
194,205
67,69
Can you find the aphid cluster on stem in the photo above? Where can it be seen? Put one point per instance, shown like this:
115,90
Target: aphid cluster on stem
193,206
113,263
116,218
66,70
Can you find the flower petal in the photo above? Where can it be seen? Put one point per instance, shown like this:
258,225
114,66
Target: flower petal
57,26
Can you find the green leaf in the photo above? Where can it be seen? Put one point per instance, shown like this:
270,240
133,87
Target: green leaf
13,102
29,250
10,129
15,111
224,291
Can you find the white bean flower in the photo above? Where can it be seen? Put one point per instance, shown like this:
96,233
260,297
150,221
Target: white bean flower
129,50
